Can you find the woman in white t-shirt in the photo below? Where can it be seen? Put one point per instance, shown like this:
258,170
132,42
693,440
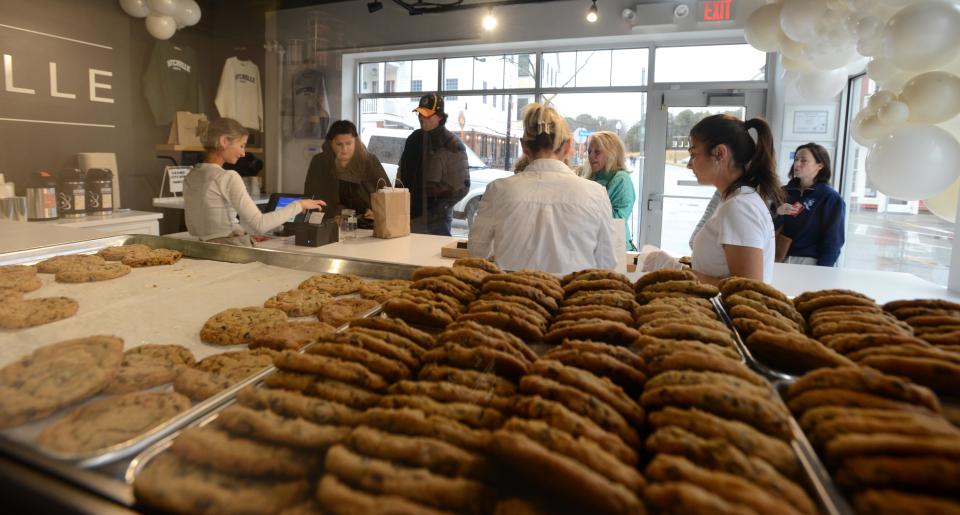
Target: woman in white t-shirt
737,240
214,198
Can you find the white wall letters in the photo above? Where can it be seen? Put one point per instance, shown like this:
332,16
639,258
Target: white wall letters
54,92
8,77
95,80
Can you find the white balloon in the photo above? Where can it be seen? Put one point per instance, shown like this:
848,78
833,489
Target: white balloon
944,204
914,162
867,129
896,81
851,22
798,65
799,18
894,113
188,13
881,97
161,27
869,46
830,57
163,7
881,68
135,8
869,27
923,36
790,48
933,97
762,29
821,85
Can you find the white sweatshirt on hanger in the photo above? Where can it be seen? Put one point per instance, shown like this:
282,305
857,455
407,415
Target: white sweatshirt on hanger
238,96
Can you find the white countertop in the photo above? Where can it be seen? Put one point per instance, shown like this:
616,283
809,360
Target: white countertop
99,220
177,202
415,249
16,236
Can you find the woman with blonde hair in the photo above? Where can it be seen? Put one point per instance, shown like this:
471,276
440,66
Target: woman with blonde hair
213,197
545,217
605,156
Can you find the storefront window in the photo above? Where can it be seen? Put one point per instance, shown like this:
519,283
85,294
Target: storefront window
715,63
883,233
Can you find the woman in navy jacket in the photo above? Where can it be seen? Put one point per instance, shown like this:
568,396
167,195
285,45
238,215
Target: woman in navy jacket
813,213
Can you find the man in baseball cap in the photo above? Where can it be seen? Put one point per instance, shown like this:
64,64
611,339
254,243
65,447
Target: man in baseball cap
429,105
434,168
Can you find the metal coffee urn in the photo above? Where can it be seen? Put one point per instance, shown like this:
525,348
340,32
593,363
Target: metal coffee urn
99,191
41,197
71,194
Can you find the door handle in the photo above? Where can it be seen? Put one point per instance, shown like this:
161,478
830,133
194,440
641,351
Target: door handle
655,202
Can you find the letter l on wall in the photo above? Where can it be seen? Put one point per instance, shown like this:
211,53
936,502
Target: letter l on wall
8,77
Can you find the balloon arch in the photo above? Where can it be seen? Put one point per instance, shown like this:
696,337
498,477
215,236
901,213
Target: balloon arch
910,124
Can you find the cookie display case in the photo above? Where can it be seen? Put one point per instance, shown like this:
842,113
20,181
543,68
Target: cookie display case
177,298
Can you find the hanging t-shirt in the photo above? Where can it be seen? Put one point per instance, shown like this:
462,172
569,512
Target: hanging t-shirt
171,82
238,96
307,114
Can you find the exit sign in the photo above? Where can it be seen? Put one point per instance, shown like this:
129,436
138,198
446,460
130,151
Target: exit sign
716,10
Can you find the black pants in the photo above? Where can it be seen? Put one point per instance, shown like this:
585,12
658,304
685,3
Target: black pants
438,222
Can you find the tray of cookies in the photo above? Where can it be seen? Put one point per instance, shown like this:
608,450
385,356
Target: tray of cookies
93,401
883,438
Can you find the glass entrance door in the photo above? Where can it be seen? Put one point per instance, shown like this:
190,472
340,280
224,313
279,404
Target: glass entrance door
673,201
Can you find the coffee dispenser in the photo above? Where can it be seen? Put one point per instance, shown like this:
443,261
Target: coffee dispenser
99,185
72,194
42,197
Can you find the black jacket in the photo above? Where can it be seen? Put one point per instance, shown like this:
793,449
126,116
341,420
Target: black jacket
434,167
350,190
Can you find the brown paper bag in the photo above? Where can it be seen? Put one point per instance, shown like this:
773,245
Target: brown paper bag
183,129
391,212
782,246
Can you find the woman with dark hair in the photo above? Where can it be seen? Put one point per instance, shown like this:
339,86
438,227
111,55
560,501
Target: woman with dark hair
812,214
214,198
737,158
344,174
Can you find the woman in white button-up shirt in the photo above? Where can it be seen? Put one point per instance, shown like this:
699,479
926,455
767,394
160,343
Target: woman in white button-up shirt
545,217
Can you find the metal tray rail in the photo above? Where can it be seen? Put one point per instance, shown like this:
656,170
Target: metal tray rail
219,252
831,498
819,481
767,372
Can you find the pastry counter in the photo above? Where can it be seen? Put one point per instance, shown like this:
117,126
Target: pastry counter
627,392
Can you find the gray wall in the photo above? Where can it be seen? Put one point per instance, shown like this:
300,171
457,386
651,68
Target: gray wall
28,147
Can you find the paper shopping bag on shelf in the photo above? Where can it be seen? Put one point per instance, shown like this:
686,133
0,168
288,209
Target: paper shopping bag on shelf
183,129
391,212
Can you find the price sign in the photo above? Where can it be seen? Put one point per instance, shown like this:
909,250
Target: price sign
175,176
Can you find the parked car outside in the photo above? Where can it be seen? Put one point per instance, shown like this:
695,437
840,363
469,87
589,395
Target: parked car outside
387,145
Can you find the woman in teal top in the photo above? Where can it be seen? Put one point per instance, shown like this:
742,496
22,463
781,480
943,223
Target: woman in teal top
606,153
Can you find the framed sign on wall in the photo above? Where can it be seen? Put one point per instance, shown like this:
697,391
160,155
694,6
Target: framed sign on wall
816,123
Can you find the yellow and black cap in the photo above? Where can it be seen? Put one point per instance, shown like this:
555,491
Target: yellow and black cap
430,104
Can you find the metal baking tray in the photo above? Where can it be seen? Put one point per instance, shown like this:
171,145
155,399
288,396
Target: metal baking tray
769,373
819,481
102,470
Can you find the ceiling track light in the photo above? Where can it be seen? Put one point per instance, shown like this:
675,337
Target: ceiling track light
592,13
489,20
374,6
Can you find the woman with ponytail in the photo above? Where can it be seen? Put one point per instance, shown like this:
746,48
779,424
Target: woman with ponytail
545,217
213,197
737,158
